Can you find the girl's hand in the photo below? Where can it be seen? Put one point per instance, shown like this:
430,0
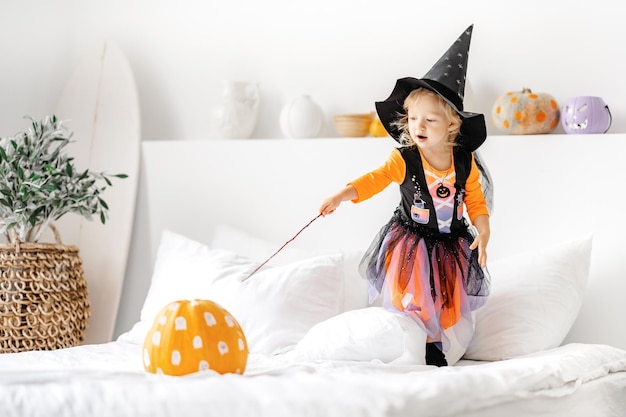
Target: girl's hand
481,243
481,240
331,203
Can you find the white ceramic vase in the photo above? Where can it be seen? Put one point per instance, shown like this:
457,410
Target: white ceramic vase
301,118
236,116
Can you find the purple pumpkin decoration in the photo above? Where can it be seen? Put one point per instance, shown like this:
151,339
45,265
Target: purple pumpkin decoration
585,114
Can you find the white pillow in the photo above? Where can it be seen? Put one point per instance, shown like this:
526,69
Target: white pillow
275,307
230,238
364,335
535,299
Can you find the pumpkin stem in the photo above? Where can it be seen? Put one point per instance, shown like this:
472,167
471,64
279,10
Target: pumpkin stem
526,90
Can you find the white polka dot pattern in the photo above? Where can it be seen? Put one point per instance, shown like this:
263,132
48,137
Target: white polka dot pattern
175,357
180,323
156,338
209,319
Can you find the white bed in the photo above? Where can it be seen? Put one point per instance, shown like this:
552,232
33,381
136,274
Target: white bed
535,353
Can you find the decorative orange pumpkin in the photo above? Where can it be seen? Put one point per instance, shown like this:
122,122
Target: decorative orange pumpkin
194,335
525,113
377,129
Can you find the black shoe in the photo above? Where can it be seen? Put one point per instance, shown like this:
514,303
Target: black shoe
434,356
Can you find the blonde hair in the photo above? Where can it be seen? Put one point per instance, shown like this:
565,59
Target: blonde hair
402,124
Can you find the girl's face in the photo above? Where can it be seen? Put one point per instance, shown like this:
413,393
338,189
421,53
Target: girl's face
428,124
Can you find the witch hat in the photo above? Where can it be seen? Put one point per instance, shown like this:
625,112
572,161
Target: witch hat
447,79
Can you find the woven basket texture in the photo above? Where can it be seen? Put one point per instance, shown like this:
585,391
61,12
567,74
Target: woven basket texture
43,297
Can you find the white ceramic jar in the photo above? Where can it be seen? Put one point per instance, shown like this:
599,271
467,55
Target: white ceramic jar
236,116
302,117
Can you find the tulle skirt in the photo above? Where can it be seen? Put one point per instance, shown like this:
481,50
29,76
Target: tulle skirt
432,277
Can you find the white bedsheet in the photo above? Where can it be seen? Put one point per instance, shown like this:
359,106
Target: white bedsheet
108,380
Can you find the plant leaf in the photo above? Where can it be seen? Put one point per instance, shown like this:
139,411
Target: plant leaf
39,182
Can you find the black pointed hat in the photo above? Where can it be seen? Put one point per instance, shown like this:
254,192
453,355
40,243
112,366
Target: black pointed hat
447,79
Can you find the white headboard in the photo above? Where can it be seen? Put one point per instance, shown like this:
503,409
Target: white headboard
548,188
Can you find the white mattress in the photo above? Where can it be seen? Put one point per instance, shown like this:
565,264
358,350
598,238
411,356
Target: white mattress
109,380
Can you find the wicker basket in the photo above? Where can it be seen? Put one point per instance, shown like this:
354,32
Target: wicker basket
43,297
353,125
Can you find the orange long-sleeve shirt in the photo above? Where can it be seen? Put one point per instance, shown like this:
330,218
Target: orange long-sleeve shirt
394,170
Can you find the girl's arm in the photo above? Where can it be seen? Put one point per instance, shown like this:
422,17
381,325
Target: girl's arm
364,187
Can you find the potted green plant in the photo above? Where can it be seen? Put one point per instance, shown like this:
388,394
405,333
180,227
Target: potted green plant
43,294
39,182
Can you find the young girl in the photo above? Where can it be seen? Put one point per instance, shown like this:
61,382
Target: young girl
426,261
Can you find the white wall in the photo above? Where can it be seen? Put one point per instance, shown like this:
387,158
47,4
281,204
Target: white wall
345,53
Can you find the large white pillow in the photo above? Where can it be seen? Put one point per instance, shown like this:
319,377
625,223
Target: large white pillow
535,299
275,307
366,334
233,239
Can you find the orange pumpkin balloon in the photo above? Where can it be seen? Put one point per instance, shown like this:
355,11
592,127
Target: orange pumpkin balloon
525,113
194,335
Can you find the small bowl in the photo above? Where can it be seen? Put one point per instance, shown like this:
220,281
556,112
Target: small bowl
353,125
